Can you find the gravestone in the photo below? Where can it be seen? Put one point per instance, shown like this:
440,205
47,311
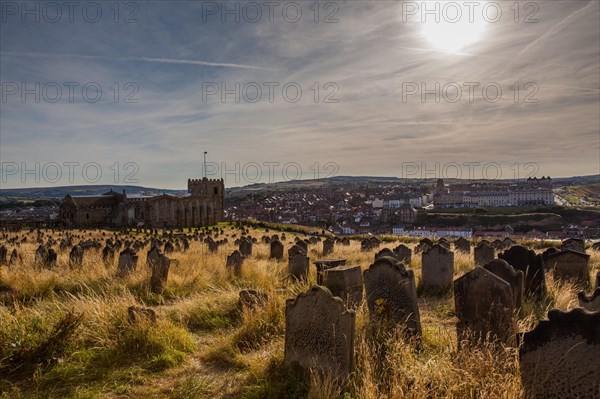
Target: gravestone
592,302
246,248
234,262
127,262
403,254
548,252
559,357
14,257
108,255
385,252
152,256
251,299
530,264
463,245
483,253
298,266
498,244
168,248
328,246
437,268
346,283
392,293
485,308
138,314
3,254
303,244
574,244
570,265
515,278
213,246
444,243
160,273
296,249
424,245
76,257
319,335
365,245
325,264
276,249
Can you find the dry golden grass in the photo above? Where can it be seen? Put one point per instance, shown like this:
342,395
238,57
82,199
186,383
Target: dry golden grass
205,346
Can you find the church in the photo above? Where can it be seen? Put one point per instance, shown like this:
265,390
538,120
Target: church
203,205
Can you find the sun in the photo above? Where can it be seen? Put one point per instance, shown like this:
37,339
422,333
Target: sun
446,35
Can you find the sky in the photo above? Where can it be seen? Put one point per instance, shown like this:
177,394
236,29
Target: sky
136,92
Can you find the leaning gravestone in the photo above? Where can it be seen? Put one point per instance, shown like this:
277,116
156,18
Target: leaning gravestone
276,249
570,265
296,249
403,254
76,257
298,266
530,264
319,335
127,262
483,253
485,308
160,273
515,278
234,262
328,246
437,268
345,282
592,302
559,357
325,264
574,244
392,293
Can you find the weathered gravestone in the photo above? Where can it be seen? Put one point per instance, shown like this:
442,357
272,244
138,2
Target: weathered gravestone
437,268
14,257
303,244
403,254
423,245
324,264
328,246
276,250
392,293
250,299
296,249
515,278
298,266
127,262
168,248
483,253
160,273
549,251
498,244
213,246
530,264
574,244
365,245
444,243
152,256
485,308
559,358
234,262
108,255
385,252
570,265
138,314
345,282
3,254
462,245
319,335
76,257
592,302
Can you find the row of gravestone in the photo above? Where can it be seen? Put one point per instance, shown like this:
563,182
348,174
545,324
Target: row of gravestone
558,358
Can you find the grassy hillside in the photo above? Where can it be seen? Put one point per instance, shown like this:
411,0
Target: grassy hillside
65,333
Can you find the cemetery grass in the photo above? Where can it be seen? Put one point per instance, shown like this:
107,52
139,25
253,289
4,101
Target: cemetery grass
65,333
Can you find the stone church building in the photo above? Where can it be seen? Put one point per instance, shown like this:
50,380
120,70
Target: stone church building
203,205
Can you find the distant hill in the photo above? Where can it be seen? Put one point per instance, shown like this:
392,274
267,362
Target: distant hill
61,191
